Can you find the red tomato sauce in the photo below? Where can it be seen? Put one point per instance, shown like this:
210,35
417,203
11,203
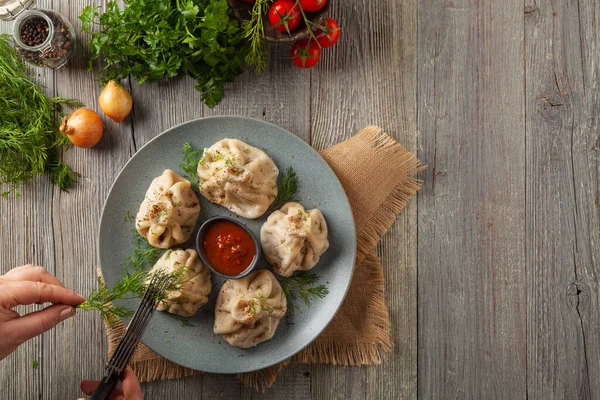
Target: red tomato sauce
228,247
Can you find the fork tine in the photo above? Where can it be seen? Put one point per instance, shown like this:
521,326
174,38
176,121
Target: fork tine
133,322
131,336
158,284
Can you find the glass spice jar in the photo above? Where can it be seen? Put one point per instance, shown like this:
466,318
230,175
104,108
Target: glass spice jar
10,9
43,38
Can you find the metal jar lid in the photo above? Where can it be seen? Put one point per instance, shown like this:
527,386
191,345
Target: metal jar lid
10,9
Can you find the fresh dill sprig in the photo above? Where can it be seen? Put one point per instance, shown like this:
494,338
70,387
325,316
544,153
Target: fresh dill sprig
132,283
30,142
189,165
130,286
184,322
286,188
254,31
143,256
301,285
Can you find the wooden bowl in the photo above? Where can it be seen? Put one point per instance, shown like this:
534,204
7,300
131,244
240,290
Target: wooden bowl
241,10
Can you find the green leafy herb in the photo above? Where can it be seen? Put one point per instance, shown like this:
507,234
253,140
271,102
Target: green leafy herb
144,255
35,364
191,158
132,284
30,142
286,188
302,285
254,31
184,322
151,40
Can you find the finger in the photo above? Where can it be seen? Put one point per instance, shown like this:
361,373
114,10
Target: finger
13,293
131,385
36,323
32,273
88,388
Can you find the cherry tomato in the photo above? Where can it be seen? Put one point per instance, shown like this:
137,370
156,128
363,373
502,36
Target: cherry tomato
284,15
328,34
312,5
305,53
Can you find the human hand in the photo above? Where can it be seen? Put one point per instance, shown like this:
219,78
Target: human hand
31,285
131,389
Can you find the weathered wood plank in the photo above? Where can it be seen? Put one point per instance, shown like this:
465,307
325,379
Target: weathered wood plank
471,210
292,383
563,219
281,95
75,223
369,77
28,238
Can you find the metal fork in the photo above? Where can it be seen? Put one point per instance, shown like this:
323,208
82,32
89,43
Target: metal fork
117,363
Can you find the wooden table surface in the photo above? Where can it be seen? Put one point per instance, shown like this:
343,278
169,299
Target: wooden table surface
492,273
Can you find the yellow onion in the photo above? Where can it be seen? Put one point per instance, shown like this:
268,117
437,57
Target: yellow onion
83,127
115,101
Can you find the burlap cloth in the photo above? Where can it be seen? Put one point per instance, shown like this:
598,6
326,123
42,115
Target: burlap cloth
379,177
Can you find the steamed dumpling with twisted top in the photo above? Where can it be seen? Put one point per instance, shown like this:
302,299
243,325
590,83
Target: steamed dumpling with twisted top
248,310
294,239
239,177
169,212
195,282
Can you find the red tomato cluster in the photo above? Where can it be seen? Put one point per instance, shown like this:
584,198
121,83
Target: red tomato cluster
285,16
306,53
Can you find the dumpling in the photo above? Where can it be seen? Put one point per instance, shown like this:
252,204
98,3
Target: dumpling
248,310
169,212
239,177
196,282
293,239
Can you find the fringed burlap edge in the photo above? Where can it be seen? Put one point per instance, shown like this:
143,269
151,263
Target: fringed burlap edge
340,353
357,353
409,166
263,379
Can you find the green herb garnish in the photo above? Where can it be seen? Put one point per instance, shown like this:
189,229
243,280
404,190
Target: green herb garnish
129,287
286,188
184,322
132,284
30,142
35,364
152,40
254,32
144,255
301,285
191,159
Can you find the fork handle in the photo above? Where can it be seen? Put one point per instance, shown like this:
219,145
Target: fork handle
105,387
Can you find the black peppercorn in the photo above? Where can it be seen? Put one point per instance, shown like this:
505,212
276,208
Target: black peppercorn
34,31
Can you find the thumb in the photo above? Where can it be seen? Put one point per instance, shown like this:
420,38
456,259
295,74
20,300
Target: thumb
36,323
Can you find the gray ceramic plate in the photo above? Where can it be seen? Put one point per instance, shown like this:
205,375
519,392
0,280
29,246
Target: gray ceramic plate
195,346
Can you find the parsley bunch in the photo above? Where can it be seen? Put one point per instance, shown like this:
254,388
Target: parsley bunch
151,40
